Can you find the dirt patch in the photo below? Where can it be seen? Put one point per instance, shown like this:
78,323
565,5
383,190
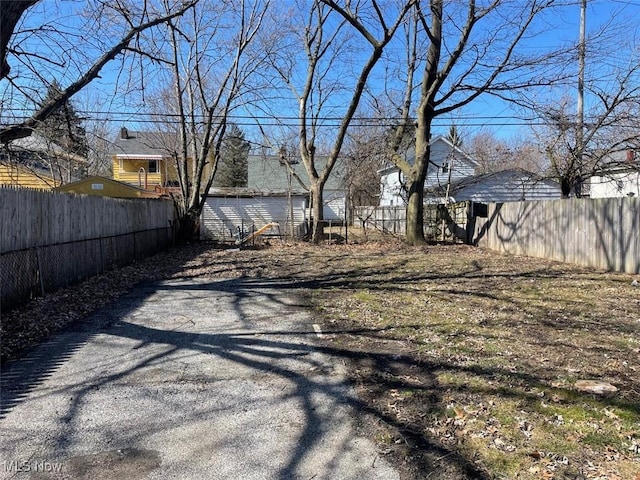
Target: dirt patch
466,361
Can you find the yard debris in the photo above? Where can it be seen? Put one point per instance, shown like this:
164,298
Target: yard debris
485,371
595,386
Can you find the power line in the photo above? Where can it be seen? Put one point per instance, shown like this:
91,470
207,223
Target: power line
469,120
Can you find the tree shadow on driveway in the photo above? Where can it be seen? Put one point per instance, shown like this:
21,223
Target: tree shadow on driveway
177,328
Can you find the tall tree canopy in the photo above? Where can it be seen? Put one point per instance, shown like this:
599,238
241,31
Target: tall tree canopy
454,53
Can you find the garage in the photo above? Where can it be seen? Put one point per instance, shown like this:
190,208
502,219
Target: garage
228,217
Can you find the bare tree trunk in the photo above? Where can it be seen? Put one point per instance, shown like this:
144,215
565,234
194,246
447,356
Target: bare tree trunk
316,211
415,180
10,14
188,226
415,214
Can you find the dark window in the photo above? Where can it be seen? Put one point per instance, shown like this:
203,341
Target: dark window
153,166
445,167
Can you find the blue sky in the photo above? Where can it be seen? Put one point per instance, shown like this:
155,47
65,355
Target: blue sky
618,16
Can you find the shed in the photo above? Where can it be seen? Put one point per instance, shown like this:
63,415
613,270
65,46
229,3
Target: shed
268,174
232,213
275,192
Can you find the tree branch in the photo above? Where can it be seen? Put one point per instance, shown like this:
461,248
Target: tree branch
25,128
10,13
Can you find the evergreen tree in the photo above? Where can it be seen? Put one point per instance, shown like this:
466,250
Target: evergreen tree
454,136
233,163
64,127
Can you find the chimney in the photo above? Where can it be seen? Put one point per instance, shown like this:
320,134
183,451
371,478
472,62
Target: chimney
124,133
631,156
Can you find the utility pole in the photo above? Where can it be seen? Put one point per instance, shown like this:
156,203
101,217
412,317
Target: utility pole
580,119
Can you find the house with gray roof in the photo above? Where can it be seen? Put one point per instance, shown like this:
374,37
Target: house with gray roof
145,159
448,163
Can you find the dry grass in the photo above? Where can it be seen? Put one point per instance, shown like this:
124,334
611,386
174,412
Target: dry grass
489,349
466,360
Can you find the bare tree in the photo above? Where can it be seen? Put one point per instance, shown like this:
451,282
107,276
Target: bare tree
211,61
323,42
495,154
138,19
365,156
610,127
591,120
471,50
10,13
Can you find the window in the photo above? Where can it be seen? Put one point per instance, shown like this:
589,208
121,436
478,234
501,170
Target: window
153,166
445,167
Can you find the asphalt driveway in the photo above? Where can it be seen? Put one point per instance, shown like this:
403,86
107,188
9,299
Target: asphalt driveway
185,379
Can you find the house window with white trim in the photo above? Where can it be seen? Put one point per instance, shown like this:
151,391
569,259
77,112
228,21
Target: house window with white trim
445,167
153,166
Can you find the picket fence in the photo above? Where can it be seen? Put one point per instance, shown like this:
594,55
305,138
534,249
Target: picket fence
50,240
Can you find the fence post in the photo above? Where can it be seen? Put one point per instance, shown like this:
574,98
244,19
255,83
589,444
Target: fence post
39,271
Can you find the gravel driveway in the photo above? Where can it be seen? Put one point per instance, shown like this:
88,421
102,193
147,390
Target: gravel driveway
185,379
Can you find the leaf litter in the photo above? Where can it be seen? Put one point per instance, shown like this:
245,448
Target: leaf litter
465,360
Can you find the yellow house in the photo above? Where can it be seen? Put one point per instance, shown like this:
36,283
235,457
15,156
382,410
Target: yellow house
143,159
22,176
37,162
146,159
105,187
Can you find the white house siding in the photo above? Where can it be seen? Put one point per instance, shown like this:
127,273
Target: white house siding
621,184
334,205
223,215
391,194
508,188
442,153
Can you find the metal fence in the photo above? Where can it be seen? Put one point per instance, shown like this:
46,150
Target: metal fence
31,272
52,240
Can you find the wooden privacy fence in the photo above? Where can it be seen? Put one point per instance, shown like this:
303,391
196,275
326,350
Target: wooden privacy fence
602,233
50,240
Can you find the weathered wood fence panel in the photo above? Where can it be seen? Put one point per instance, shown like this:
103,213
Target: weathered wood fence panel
50,240
602,233
386,219
440,223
